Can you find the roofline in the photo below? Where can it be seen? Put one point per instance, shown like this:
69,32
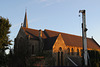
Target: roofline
95,42
30,28
56,32
62,33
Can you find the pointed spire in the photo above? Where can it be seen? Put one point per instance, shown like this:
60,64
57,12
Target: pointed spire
25,20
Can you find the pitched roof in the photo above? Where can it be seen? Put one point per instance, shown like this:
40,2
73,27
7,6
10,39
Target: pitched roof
73,40
32,32
50,37
49,42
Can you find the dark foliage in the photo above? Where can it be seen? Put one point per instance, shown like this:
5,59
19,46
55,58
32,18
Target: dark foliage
94,58
4,31
4,40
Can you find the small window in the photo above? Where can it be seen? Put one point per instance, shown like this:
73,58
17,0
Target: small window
68,51
60,49
77,51
32,49
72,51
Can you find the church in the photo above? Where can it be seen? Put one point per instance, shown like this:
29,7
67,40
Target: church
52,47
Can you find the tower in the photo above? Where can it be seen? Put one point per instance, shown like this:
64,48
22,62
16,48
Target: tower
25,20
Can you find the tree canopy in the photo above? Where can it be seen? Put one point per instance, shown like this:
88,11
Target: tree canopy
4,40
4,31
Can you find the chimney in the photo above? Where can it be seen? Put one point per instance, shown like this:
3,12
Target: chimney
40,33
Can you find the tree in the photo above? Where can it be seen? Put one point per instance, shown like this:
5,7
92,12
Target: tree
4,39
94,58
4,31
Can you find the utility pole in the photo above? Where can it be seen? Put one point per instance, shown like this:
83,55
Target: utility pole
84,40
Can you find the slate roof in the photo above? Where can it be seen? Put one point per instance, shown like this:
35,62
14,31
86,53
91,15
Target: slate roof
50,37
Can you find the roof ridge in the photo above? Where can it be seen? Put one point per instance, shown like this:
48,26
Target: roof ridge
56,32
63,33
30,28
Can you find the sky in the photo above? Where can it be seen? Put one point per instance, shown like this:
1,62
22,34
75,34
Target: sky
57,15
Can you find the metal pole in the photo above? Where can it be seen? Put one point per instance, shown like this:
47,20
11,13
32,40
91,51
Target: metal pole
84,29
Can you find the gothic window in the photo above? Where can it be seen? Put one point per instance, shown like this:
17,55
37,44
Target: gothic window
32,49
72,51
68,51
77,51
60,57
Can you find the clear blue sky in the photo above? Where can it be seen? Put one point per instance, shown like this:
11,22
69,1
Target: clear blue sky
57,15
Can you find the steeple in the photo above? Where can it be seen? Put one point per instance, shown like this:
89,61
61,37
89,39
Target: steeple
25,20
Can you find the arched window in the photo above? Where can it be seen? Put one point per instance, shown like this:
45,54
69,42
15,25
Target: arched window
60,57
72,51
68,51
77,51
60,48
32,49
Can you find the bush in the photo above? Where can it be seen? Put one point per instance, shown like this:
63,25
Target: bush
94,58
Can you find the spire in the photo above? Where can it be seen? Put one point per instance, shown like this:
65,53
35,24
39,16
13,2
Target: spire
25,20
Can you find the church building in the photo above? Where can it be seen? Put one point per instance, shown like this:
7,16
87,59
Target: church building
52,47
